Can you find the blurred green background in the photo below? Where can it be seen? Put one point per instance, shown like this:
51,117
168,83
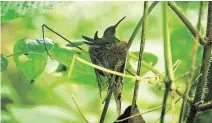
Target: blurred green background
48,99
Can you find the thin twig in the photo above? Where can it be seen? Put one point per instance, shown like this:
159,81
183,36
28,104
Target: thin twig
202,83
142,45
16,54
153,109
193,63
43,26
169,81
185,20
108,70
79,110
138,26
71,67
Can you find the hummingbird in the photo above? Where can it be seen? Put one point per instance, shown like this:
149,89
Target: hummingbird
109,52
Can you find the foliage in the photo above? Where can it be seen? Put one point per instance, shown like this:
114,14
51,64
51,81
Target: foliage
49,97
12,10
4,62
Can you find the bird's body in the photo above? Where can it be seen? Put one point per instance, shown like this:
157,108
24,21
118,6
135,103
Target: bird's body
111,53
111,56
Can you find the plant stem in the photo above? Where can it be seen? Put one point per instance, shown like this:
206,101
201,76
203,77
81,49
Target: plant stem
75,102
108,70
202,83
142,44
185,20
16,54
107,102
192,69
147,65
138,26
167,110
205,106
169,80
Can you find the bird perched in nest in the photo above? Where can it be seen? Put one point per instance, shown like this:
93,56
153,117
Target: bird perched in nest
111,53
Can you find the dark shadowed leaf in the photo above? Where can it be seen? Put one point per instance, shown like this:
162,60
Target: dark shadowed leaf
61,68
4,62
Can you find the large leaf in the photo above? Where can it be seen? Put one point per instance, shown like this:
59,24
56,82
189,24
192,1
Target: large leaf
14,9
31,63
4,62
38,45
62,55
133,59
83,73
182,43
80,70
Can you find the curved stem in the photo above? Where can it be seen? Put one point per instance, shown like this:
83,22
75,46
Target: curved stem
192,69
142,44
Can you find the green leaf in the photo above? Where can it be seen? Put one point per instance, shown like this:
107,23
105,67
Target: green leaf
147,57
65,56
81,69
186,5
4,62
77,43
36,45
14,9
62,55
132,61
39,45
181,41
30,63
6,117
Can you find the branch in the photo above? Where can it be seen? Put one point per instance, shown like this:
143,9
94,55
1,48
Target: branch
71,67
205,106
202,83
185,20
104,111
192,69
79,109
138,26
108,70
142,44
169,81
